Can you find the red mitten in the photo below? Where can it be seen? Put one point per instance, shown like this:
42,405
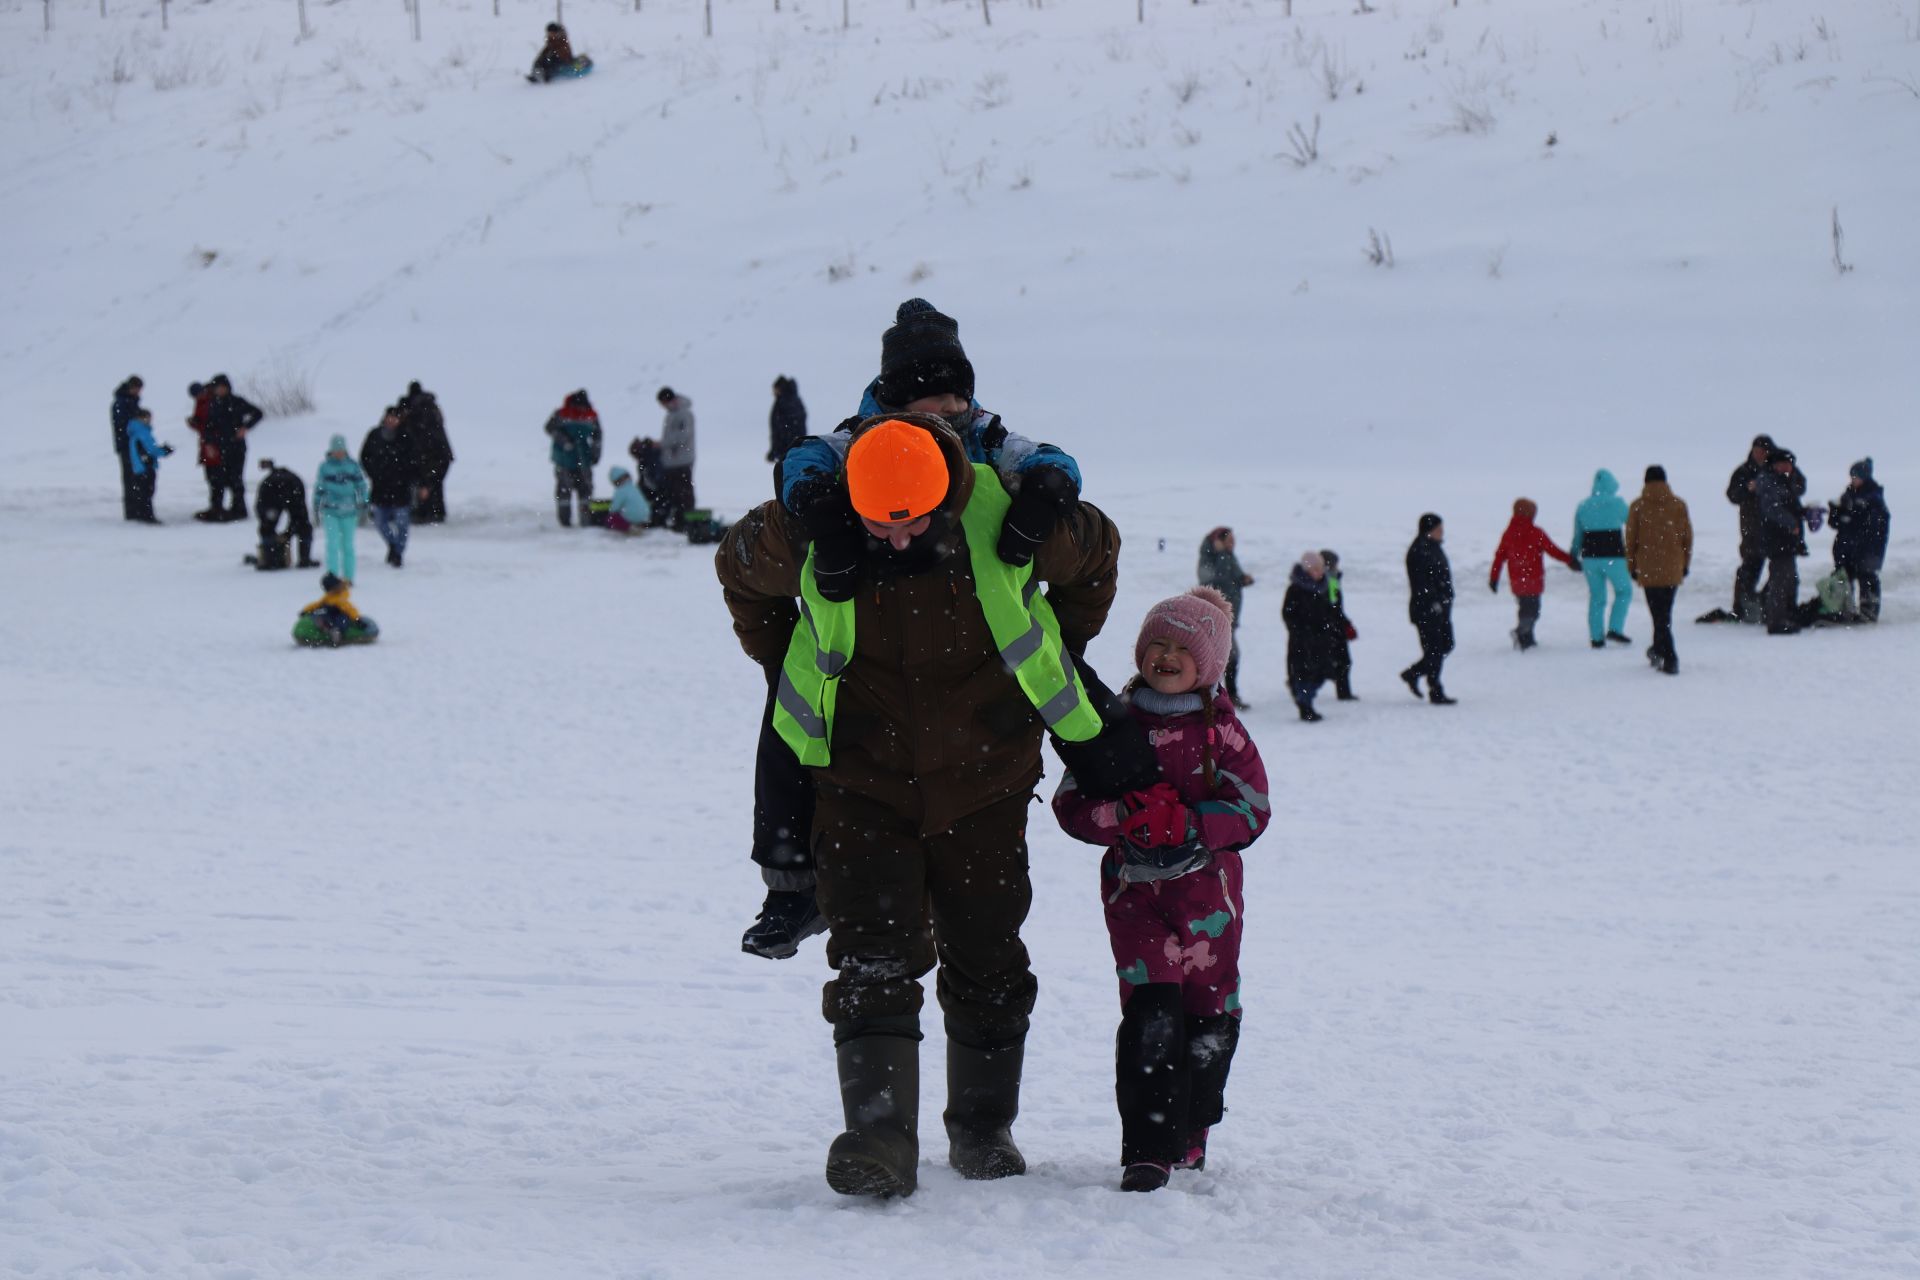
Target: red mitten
1155,816
1351,633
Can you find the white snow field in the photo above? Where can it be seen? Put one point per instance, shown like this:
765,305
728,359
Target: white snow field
422,960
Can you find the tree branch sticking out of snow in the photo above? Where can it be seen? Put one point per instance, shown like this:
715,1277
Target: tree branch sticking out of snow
283,389
1335,75
1379,248
1306,146
1840,264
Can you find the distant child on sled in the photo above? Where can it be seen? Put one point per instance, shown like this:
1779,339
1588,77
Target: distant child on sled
556,60
332,620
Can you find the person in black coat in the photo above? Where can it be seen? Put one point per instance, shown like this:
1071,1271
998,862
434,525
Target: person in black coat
229,419
427,427
1430,608
651,476
1861,524
392,463
126,403
1780,537
281,492
787,423
1316,632
1741,492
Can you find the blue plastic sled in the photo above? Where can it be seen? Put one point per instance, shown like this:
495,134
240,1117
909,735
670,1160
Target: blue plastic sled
582,66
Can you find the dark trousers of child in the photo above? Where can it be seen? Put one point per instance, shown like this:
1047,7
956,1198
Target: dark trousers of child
572,483
1660,605
782,808
1303,689
1746,585
1170,1074
140,497
1868,580
1783,585
1529,614
1231,676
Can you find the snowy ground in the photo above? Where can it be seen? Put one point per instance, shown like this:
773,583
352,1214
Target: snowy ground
422,960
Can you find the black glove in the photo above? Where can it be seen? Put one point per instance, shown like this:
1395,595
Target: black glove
1493,585
839,543
1140,865
1574,564
1116,760
1046,494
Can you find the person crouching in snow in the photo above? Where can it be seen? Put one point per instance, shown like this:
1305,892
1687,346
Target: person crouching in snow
332,620
1171,882
339,496
629,512
1523,550
1316,632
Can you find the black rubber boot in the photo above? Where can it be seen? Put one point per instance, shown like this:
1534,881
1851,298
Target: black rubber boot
1150,1076
879,1154
983,1097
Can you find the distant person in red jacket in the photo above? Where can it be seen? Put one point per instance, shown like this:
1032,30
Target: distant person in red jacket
1521,549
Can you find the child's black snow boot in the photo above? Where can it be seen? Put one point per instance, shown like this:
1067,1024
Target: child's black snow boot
785,921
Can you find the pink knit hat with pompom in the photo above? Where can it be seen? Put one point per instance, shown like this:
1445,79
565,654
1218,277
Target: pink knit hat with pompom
1201,621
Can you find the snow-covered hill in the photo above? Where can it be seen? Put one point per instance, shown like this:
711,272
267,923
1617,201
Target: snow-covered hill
421,961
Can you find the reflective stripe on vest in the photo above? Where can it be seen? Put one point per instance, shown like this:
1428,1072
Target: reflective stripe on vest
1022,622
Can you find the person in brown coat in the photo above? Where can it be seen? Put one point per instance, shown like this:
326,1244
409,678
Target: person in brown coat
919,828
1659,556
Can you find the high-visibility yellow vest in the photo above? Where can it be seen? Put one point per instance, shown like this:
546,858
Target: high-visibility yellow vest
1022,622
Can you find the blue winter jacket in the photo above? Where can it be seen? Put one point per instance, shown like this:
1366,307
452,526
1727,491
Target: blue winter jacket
340,489
628,502
143,451
983,437
1599,523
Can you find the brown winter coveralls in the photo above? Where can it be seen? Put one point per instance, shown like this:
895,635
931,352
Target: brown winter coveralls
920,827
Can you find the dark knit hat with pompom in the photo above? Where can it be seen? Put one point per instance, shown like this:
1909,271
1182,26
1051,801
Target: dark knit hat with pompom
921,356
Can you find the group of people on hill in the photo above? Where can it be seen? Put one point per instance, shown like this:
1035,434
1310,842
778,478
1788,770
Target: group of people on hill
222,421
1617,546
660,496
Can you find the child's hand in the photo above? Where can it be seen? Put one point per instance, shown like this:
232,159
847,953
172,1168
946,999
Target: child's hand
1156,816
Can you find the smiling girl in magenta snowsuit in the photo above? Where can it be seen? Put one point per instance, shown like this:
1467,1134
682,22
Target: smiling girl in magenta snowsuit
1171,884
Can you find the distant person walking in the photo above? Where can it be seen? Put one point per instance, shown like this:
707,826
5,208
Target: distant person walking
1343,650
1600,547
1523,548
339,496
393,468
1659,556
424,423
126,404
1430,608
787,421
676,456
1220,569
575,430
1861,524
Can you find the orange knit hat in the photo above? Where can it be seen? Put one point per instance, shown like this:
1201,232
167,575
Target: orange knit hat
896,472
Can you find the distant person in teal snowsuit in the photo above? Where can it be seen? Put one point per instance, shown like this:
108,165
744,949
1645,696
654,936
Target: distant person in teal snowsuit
339,496
1600,548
